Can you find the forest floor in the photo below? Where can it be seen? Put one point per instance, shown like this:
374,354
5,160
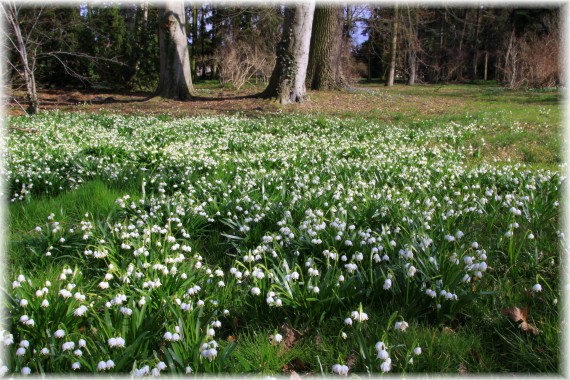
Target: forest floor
369,100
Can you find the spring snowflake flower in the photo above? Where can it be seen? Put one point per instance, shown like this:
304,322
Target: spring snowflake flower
59,333
383,355
530,236
537,288
45,303
101,366
24,343
417,351
23,302
82,343
343,335
278,338
110,364
161,366
401,326
75,366
339,369
387,284
188,370
348,321
80,311
386,365
44,351
26,371
68,346
78,352
20,351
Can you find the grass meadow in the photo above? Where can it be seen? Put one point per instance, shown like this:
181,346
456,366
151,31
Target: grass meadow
294,243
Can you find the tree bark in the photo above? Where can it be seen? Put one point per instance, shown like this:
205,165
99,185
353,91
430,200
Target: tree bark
325,70
393,48
414,46
27,67
175,80
287,82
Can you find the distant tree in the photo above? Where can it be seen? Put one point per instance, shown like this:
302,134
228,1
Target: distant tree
287,82
393,48
175,80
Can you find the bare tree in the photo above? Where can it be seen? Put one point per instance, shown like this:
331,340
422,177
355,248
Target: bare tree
175,80
287,82
20,44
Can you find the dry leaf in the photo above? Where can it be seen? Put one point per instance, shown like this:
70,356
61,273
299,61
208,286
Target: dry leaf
518,315
447,330
290,335
352,359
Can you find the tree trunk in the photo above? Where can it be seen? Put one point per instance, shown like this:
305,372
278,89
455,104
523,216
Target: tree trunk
175,80
393,48
324,71
27,66
194,39
486,64
414,46
287,82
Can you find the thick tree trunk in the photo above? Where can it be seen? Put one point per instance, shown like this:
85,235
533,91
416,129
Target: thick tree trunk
27,66
393,48
287,82
325,70
175,80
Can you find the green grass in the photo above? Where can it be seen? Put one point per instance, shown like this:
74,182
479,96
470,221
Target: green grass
267,198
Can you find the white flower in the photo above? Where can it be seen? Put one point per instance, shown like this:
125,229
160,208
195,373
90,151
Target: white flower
45,303
26,371
379,346
343,335
316,290
387,284
255,291
101,366
24,343
44,351
348,321
167,335
417,351
188,370
104,285
81,310
278,338
68,346
401,325
537,288
76,365
110,364
385,366
78,352
24,302
59,333
20,351
82,343
383,355
161,366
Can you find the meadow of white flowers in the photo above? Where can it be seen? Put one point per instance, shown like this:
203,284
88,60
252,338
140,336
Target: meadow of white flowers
286,218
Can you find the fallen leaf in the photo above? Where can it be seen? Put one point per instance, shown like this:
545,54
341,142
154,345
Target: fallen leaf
518,315
290,335
447,330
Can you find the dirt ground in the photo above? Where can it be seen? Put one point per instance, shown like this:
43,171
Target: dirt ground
369,102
